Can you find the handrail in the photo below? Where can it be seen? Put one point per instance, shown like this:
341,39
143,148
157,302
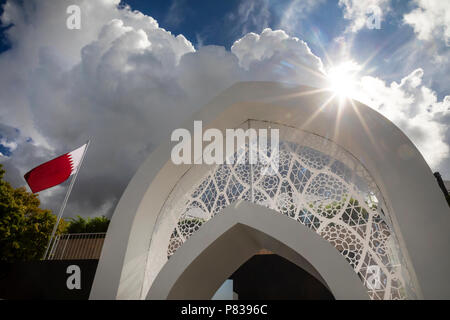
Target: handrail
76,246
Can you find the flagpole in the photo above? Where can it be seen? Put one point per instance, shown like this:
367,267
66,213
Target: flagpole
63,206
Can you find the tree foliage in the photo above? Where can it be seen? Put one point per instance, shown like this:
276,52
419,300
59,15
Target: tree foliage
88,225
25,228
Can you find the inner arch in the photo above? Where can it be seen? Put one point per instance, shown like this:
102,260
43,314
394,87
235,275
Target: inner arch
220,247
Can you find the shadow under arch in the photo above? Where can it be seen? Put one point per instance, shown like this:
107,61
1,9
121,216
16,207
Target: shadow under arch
224,243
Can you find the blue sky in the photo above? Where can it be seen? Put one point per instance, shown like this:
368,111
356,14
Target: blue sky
206,23
127,78
4,43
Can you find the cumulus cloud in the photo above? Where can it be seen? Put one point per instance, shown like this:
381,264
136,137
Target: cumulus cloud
431,20
358,11
121,81
22,152
275,55
125,83
415,109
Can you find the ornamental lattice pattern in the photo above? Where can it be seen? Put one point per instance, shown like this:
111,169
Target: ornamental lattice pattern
332,195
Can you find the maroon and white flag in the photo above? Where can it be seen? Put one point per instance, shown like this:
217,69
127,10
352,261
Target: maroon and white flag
56,171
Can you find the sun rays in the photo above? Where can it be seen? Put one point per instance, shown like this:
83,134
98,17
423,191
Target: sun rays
342,79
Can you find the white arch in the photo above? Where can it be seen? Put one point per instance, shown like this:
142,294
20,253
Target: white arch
242,229
420,213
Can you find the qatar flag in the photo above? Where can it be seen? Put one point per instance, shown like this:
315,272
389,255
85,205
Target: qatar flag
56,171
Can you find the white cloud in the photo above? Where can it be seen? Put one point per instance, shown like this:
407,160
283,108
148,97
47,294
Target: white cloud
11,145
276,56
123,82
295,12
415,109
357,11
251,15
431,20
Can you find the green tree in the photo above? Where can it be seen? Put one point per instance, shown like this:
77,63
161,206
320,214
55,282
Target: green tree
88,225
25,228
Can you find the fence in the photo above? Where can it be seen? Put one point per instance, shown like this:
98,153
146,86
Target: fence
74,246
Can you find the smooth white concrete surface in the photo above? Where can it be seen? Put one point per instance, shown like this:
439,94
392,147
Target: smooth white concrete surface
226,242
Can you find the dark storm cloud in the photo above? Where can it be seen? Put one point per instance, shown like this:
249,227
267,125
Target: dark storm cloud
125,83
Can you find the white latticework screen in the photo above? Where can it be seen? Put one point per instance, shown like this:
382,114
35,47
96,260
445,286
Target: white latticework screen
318,184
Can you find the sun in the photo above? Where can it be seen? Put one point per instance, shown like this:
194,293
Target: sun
342,80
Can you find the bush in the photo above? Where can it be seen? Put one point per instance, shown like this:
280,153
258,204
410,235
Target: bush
88,225
25,228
